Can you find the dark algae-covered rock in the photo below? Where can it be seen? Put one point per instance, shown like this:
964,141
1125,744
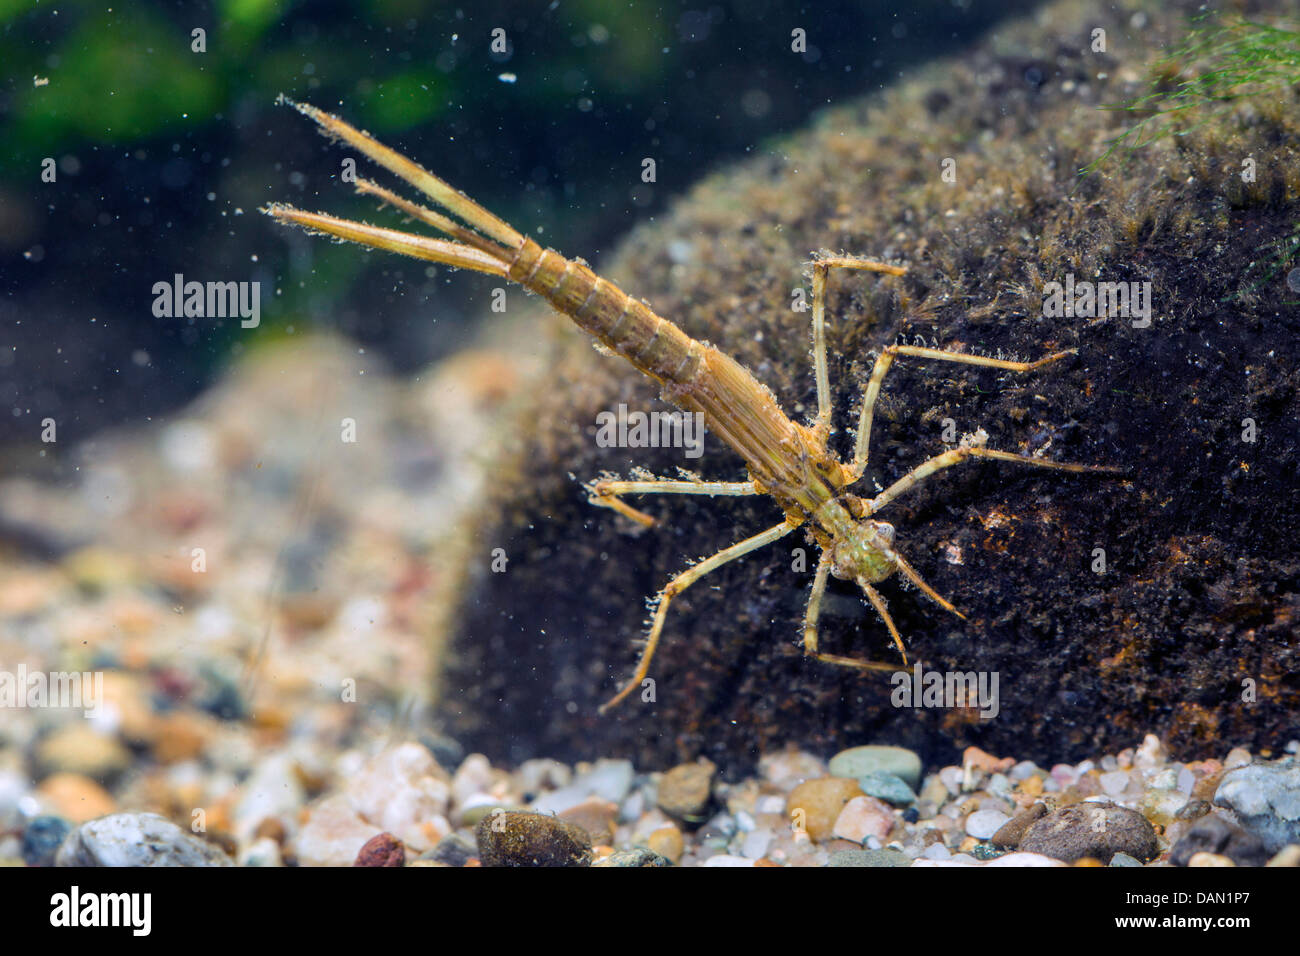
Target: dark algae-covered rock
518,838
1162,601
1213,834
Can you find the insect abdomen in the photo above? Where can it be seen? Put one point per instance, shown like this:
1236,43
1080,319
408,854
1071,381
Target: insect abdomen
654,345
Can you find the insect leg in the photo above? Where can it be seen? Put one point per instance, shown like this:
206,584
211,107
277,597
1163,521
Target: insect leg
958,455
886,359
607,493
810,625
679,584
821,270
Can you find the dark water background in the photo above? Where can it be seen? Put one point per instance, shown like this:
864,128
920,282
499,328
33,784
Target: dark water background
164,155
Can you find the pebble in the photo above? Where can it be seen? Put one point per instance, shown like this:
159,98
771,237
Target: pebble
137,839
818,803
333,834
262,852
74,797
609,779
888,787
384,849
789,768
405,792
981,760
1266,798
869,858
1212,833
1114,783
1097,830
685,791
42,838
77,748
537,775
273,790
637,856
864,817
1161,806
755,845
474,776
521,838
723,859
984,824
1123,859
1009,859
596,816
1011,832
1209,859
859,761
667,842
1192,810
1287,856
452,850
1151,754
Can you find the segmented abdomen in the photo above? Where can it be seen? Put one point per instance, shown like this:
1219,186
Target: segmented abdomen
737,408
651,343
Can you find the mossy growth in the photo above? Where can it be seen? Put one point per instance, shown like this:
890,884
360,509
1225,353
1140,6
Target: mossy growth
1189,629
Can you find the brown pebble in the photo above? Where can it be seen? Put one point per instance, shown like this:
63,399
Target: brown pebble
1093,829
594,815
1032,785
272,827
668,843
181,736
1192,810
383,849
685,791
76,798
1206,787
817,804
1011,832
980,760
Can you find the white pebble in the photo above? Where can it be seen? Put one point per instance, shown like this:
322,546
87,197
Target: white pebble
982,824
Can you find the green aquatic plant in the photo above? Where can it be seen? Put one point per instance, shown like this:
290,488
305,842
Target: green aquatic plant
1217,67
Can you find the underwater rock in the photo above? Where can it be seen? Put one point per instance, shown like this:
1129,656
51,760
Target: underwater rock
1213,834
519,838
1096,830
1266,798
1108,608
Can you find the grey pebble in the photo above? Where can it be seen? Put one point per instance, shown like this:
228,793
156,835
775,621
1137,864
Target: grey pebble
638,856
859,761
887,786
1266,798
137,839
869,858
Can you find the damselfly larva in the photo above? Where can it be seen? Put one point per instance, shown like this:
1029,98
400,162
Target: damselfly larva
787,461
